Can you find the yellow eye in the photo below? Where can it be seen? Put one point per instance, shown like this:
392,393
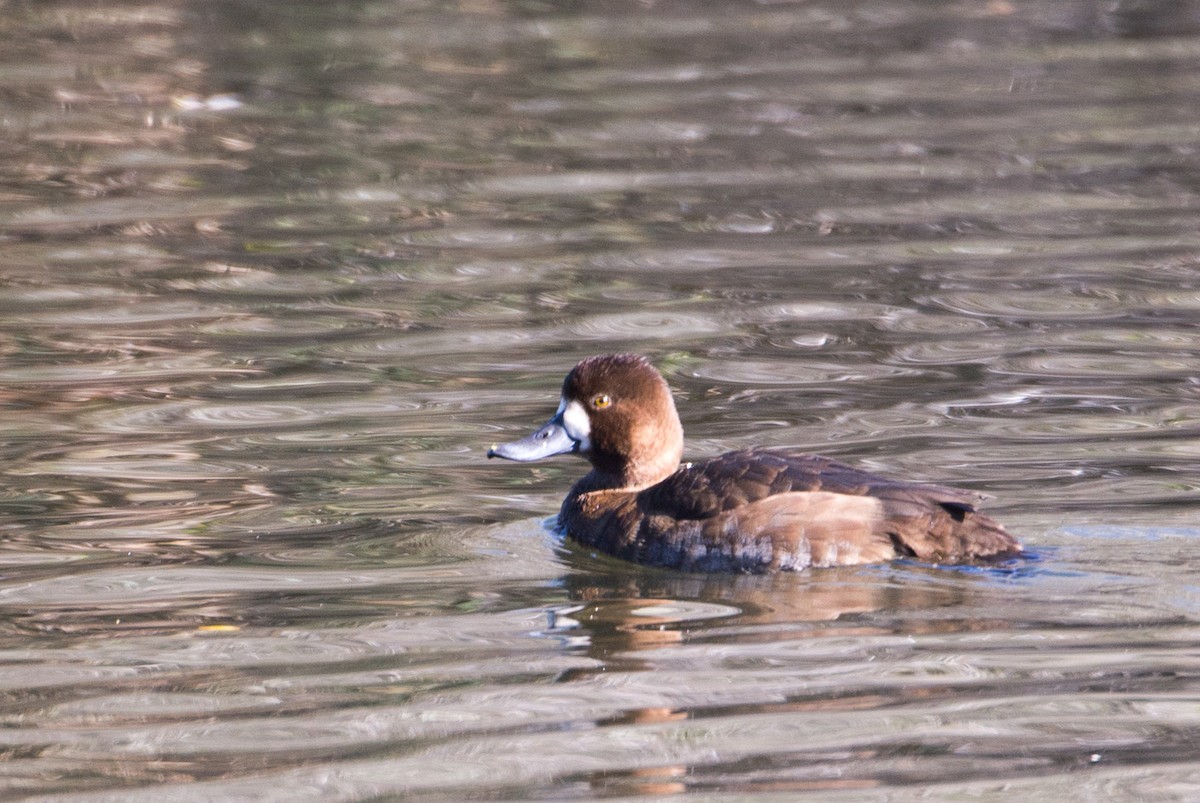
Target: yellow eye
601,401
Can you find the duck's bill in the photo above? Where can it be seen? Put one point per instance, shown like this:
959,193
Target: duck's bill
548,441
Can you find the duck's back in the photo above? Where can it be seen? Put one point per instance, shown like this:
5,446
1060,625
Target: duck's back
770,509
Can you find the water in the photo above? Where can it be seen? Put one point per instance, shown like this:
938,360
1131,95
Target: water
273,278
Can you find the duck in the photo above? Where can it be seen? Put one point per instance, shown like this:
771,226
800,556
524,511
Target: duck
754,510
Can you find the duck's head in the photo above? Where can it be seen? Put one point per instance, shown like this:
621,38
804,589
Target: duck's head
617,412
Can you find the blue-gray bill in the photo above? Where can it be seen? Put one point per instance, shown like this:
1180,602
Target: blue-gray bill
550,440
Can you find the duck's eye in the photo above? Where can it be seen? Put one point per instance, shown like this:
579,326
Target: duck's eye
601,401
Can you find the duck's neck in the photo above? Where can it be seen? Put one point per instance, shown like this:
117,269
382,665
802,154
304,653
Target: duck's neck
656,456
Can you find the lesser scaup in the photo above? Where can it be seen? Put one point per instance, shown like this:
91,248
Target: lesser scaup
753,510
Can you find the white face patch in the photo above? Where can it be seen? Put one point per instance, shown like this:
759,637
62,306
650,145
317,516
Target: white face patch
576,423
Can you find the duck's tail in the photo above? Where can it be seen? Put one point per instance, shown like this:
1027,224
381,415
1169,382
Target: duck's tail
942,525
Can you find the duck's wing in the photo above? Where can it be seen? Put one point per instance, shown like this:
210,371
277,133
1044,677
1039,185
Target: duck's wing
930,522
705,489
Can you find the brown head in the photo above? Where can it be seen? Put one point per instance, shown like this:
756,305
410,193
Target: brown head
617,412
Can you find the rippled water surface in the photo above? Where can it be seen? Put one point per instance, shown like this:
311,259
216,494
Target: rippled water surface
274,275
